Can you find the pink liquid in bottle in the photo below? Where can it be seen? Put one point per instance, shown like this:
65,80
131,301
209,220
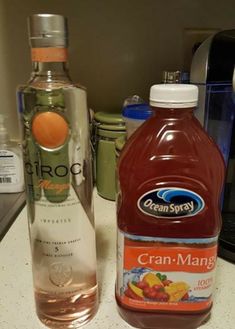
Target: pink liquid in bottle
170,176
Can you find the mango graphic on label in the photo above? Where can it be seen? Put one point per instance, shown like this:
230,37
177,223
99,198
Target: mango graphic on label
136,290
156,287
176,290
50,129
152,279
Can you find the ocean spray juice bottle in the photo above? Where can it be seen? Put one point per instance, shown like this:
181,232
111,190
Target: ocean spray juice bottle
58,174
170,177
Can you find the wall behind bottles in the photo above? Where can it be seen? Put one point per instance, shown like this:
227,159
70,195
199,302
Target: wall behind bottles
117,48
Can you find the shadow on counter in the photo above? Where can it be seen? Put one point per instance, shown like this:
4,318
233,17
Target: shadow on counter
11,205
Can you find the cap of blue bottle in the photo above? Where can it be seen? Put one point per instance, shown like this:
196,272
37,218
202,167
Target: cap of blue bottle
137,111
136,108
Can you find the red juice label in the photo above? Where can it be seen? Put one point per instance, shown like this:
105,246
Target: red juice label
165,273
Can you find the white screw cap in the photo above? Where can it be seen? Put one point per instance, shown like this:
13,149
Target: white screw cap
174,95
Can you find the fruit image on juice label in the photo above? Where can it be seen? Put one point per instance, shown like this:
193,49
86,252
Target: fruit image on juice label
165,273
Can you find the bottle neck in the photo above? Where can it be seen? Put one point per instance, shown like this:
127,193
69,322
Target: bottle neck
50,64
50,69
4,138
173,112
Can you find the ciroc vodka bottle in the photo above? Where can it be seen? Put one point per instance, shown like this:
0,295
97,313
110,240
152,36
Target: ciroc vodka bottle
58,174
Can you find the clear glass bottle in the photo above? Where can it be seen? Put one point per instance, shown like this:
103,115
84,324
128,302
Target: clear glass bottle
58,173
11,165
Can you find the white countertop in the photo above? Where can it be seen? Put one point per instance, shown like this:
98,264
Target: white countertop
16,290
